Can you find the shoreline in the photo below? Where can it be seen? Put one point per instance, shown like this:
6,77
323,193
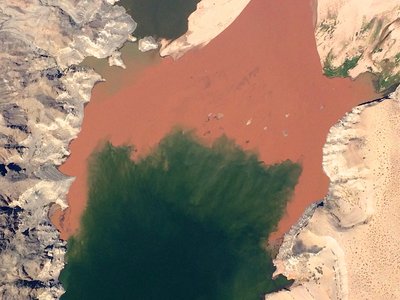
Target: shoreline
345,249
241,89
204,24
360,158
44,92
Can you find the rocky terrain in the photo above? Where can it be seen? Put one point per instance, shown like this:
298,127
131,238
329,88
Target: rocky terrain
357,36
42,96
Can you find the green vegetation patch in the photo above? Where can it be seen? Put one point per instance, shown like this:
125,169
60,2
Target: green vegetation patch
377,30
397,58
367,26
341,71
185,222
386,82
160,18
328,25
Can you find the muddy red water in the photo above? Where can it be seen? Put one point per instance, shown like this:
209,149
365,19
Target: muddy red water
262,76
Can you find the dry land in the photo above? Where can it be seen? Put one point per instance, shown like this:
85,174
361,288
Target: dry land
348,248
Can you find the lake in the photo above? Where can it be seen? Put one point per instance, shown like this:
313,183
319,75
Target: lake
187,221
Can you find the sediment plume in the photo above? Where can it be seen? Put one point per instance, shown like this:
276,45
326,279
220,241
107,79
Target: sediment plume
43,92
270,99
346,247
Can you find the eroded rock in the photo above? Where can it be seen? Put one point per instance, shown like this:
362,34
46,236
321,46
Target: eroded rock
42,96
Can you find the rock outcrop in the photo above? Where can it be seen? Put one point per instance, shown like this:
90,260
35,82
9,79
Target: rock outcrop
346,247
147,43
357,36
42,96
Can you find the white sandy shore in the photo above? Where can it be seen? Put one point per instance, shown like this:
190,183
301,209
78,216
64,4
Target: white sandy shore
208,21
348,248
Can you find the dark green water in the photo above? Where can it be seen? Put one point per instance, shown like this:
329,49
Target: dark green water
160,18
186,222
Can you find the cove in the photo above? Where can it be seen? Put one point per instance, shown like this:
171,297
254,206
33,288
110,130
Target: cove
187,221
162,19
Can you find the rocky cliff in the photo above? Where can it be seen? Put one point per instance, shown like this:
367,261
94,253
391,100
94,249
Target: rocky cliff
42,96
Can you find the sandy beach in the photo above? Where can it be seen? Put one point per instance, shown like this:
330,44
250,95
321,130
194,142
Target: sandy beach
259,82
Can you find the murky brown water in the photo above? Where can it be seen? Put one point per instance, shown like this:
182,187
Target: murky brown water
262,75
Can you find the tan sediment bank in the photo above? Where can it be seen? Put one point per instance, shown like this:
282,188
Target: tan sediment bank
363,31
259,82
348,248
208,21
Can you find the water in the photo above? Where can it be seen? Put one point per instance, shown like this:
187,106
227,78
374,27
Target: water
185,222
160,18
